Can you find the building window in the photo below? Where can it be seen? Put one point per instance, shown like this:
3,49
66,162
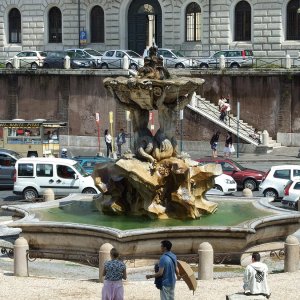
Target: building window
14,25
193,22
55,31
97,25
243,21
293,21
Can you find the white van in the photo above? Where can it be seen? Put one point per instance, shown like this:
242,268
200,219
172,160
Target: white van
64,176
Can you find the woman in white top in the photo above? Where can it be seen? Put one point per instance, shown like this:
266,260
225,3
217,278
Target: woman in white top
108,140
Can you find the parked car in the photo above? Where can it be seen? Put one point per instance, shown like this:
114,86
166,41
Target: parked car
233,59
244,177
82,53
28,59
62,175
225,184
89,162
175,59
94,53
55,60
114,59
82,59
8,160
291,194
276,179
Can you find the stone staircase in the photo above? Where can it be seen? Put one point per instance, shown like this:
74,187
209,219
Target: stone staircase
242,129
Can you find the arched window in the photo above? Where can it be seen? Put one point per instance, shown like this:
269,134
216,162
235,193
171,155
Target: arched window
97,25
193,22
55,29
14,26
242,21
293,20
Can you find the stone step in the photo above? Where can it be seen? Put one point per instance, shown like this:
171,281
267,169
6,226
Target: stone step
241,296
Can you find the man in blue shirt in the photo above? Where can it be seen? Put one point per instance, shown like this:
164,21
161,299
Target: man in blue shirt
167,269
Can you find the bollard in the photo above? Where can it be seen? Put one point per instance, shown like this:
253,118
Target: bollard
291,250
247,192
48,195
20,257
222,62
104,255
16,62
67,62
265,138
125,62
288,63
206,262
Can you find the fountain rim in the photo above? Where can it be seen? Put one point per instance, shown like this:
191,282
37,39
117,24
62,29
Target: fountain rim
29,219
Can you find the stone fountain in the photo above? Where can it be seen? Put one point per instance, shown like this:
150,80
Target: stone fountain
156,180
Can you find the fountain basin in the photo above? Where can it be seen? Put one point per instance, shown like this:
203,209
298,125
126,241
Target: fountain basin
82,238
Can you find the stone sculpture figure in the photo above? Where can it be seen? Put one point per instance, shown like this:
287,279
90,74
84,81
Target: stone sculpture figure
156,180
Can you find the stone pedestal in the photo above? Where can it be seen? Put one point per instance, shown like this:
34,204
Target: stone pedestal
206,262
20,257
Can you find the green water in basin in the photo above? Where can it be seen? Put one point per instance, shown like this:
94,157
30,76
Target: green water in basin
229,213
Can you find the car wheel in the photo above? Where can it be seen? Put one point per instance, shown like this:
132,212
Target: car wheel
179,66
89,190
104,66
250,184
133,67
9,66
34,66
203,66
271,193
30,194
234,66
218,187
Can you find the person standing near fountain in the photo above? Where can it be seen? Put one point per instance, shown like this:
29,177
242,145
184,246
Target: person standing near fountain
121,139
255,278
167,270
214,144
114,271
108,140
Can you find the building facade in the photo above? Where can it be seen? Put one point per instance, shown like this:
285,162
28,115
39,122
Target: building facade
197,27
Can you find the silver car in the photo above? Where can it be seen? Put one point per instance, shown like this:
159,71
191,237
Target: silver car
233,59
114,59
175,59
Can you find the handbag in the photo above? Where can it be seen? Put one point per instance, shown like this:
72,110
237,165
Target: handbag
231,149
158,280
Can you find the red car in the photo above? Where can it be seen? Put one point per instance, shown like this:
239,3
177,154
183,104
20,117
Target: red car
244,177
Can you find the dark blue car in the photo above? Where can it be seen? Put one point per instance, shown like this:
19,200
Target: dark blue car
89,162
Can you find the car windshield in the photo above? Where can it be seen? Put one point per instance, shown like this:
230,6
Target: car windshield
80,170
177,53
238,165
93,52
133,54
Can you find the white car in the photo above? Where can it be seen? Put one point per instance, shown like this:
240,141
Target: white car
27,59
291,194
114,59
276,178
224,183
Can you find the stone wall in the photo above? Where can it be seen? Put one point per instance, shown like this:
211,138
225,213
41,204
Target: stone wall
267,101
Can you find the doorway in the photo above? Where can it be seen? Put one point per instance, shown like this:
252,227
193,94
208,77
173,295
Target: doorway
144,24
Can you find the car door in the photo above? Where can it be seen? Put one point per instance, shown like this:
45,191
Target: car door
120,59
109,58
280,179
22,56
66,180
45,177
168,58
215,60
7,168
229,169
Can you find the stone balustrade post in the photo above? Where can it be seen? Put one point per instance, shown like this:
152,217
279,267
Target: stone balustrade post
265,138
20,257
291,250
288,63
16,62
67,62
104,255
48,195
206,261
222,62
125,62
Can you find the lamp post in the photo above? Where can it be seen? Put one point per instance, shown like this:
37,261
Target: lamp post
78,13
238,130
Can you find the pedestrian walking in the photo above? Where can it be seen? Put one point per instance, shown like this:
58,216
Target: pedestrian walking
229,148
121,139
114,271
214,143
255,277
108,140
168,270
